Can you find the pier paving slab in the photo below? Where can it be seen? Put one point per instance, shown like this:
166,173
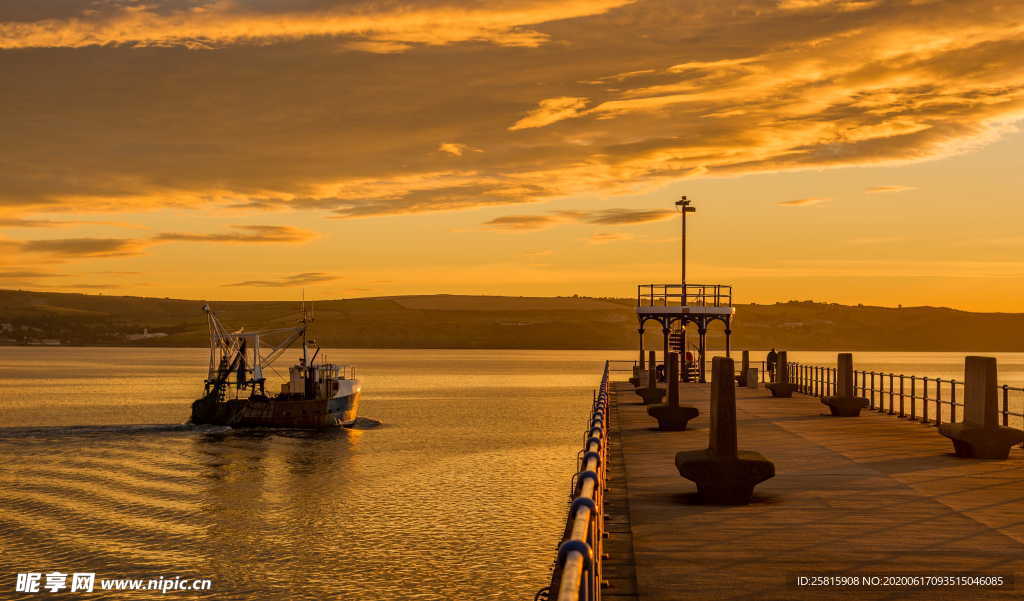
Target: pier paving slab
875,495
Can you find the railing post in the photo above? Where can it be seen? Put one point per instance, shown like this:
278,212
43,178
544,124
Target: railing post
924,402
891,393
1006,405
872,390
938,401
952,401
913,398
902,413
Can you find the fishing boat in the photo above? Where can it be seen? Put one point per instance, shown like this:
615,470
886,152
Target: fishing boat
315,395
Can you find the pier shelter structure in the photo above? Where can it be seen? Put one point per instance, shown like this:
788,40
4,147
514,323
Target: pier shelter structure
684,304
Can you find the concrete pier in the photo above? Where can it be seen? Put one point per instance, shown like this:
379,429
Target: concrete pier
874,496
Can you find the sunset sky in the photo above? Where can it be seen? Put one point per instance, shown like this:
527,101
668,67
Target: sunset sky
849,151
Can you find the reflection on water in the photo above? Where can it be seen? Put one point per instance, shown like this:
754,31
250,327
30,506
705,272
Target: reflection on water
453,486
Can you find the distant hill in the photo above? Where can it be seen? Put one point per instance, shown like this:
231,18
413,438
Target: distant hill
452,321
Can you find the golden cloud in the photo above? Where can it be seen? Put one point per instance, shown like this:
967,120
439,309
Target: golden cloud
888,189
521,222
244,234
297,279
816,85
603,217
456,149
803,202
85,247
89,248
551,110
380,27
606,237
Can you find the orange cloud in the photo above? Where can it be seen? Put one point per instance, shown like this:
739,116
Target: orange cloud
381,29
90,248
298,279
456,149
521,222
551,110
803,202
816,85
604,217
888,189
244,234
606,237
85,247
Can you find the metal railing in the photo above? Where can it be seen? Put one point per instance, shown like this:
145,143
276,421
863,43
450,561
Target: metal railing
615,365
577,570
928,400
694,295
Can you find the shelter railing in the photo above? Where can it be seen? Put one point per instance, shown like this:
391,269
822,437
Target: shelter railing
919,398
671,295
577,570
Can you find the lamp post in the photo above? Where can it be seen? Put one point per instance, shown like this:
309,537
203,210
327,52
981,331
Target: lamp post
685,206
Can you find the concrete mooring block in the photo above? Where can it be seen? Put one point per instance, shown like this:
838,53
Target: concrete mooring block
752,376
782,387
845,403
980,436
741,379
671,416
651,394
724,475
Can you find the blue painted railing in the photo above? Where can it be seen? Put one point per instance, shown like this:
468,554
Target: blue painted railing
577,570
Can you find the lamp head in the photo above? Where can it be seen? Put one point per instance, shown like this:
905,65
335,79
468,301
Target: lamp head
685,206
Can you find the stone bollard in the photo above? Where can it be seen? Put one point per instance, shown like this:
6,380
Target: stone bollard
641,377
845,403
639,372
651,394
752,377
723,474
782,387
671,417
741,380
980,435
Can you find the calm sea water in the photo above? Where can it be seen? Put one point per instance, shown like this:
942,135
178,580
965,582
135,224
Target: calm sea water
459,494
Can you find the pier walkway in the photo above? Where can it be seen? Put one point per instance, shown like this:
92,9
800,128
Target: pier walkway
869,496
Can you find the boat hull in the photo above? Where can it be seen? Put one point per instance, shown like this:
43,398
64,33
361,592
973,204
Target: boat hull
281,411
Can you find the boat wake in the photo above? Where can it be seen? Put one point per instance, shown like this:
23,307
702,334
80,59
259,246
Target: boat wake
55,431
365,423
49,432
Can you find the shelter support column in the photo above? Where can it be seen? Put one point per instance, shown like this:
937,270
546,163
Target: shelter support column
641,332
702,332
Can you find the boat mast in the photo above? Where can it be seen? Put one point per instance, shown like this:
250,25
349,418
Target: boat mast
304,326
